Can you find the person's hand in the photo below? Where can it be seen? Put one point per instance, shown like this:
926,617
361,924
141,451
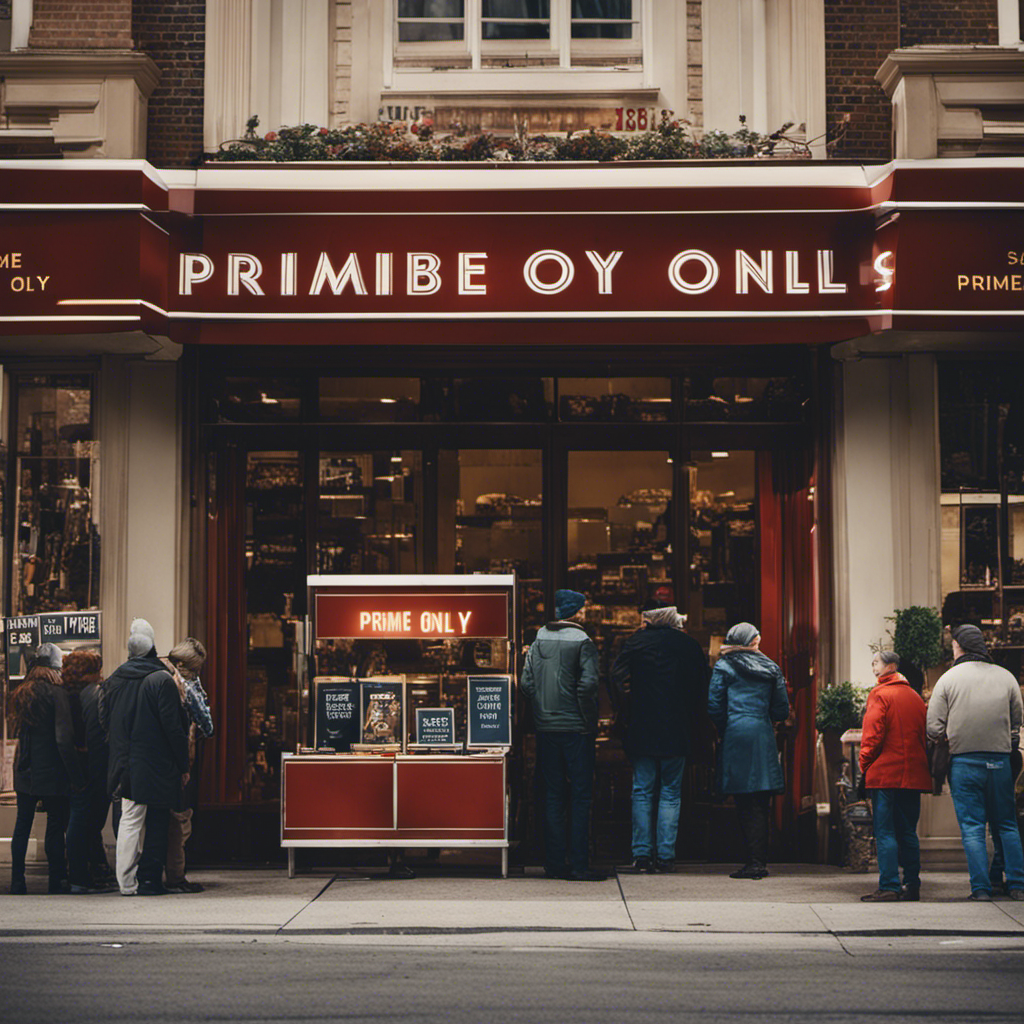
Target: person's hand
184,779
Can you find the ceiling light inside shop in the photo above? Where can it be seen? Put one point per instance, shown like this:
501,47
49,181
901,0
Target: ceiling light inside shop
396,457
719,455
388,401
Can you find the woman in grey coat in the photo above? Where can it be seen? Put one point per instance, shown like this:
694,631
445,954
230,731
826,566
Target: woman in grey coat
748,694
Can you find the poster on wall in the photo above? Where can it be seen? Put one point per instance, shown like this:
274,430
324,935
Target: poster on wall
337,722
383,713
489,711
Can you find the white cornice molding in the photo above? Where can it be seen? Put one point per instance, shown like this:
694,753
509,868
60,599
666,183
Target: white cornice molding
83,63
949,60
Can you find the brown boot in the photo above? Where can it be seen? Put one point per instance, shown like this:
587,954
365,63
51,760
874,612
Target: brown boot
881,896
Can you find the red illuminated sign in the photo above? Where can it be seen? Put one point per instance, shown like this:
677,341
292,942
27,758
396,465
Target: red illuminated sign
411,616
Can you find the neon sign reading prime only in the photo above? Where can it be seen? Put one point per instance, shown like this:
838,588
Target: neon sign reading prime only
411,615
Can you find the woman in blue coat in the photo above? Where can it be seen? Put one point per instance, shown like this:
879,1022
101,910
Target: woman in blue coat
748,694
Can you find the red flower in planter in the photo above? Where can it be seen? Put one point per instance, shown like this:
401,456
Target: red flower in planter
270,136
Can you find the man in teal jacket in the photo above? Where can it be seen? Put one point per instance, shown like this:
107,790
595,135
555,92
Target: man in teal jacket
560,679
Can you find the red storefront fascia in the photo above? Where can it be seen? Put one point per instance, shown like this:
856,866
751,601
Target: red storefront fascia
712,254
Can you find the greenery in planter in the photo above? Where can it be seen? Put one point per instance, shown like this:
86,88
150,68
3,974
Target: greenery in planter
917,636
670,139
840,707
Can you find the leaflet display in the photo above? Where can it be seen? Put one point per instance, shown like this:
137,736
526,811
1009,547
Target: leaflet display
337,713
489,711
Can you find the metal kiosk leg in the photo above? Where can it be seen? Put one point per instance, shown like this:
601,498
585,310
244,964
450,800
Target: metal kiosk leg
504,862
291,861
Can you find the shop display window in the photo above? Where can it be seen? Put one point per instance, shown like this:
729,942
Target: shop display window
490,519
370,399
724,578
275,587
56,565
499,399
259,400
369,512
615,399
712,396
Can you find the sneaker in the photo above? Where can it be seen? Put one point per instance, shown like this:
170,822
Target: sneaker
590,875
152,889
643,866
664,867
981,896
401,871
183,886
881,896
1016,894
910,893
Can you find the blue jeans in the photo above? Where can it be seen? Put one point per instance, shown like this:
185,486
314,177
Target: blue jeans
982,791
645,778
562,756
895,813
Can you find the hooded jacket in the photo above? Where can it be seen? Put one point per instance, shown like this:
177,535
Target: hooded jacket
661,675
893,753
560,678
141,710
747,694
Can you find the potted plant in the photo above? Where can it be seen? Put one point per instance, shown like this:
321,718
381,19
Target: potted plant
840,707
917,639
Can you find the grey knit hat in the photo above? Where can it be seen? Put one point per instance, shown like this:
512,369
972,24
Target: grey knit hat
139,645
49,656
142,626
743,634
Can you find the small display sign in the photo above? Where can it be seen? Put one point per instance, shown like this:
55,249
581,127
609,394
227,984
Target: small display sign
337,713
435,727
24,633
383,718
489,711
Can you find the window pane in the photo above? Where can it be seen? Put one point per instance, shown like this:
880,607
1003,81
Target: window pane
712,397
275,588
430,8
429,31
259,400
370,399
602,19
370,512
516,19
500,399
615,399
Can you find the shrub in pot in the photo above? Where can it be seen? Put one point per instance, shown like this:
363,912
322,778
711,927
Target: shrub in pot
917,639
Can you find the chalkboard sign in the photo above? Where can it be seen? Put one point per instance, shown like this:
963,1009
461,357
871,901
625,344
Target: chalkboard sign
337,713
489,711
435,727
24,633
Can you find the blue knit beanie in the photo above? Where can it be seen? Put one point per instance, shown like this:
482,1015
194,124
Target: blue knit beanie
568,603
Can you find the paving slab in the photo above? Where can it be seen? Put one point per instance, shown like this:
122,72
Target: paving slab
724,916
522,888
934,917
1013,910
340,914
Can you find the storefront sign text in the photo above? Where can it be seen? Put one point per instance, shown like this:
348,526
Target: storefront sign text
413,616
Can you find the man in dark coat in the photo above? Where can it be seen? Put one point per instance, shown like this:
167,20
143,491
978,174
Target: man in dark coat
148,762
659,682
560,678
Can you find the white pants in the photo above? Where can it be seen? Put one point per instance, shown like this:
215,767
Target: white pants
131,833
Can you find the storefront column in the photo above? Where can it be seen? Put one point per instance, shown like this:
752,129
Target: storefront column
885,502
144,567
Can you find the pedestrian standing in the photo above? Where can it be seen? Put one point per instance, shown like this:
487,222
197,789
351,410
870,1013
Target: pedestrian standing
977,706
894,763
748,694
47,768
185,661
660,681
560,679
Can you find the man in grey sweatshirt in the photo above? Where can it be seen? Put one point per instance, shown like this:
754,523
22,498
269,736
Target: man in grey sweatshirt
977,706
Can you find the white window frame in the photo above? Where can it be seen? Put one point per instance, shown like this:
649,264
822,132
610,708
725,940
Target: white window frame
557,52
1009,15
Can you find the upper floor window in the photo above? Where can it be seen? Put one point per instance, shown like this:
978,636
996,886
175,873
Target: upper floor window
517,33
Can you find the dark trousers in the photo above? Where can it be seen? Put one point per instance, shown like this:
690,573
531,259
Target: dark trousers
753,810
78,839
99,807
154,846
566,757
56,808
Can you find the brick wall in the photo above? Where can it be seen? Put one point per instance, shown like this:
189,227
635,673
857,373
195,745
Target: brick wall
858,36
173,33
948,21
81,25
341,95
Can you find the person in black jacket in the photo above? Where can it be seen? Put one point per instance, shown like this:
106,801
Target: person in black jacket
659,683
81,678
47,768
148,762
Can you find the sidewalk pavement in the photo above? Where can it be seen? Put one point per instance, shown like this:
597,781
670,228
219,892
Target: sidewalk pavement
798,905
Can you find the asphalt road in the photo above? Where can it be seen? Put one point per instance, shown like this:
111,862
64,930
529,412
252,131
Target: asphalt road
238,980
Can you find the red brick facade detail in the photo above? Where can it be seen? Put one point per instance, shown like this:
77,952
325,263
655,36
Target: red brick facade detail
859,34
173,33
81,25
949,22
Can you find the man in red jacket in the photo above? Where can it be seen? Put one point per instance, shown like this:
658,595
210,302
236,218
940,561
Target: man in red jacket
894,762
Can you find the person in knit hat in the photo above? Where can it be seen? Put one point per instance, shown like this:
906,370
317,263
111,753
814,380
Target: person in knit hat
977,707
559,678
